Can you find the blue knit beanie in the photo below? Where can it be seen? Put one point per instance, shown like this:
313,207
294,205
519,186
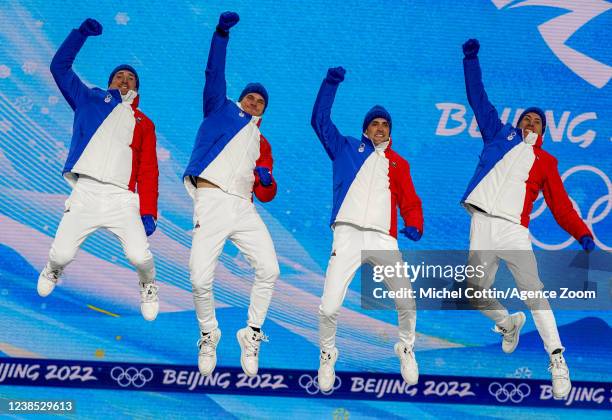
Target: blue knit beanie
377,111
255,88
124,67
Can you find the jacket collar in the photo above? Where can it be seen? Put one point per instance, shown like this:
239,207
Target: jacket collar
383,146
532,138
131,97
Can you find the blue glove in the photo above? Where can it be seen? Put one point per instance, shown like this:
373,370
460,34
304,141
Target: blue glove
90,27
411,233
335,75
227,20
470,48
587,243
149,224
265,176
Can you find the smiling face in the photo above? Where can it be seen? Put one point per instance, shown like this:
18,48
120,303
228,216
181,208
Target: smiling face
253,103
378,131
124,80
531,122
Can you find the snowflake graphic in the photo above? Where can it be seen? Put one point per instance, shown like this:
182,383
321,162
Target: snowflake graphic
122,18
29,67
5,71
44,110
24,104
522,372
53,100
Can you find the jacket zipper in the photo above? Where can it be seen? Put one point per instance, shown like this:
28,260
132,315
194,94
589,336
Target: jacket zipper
246,149
501,187
365,216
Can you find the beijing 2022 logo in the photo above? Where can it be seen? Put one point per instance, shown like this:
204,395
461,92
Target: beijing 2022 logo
558,30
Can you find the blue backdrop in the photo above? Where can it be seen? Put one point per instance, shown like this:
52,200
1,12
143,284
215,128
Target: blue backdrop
403,55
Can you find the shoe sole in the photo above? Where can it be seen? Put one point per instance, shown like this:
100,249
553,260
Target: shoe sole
151,319
564,395
323,389
41,293
214,364
518,333
242,351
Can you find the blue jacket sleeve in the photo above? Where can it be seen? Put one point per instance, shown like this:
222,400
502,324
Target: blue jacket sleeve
486,114
321,122
215,89
72,88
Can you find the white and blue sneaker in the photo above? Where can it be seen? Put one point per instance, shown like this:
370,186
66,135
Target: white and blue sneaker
207,355
327,375
250,341
511,336
149,302
561,383
47,280
408,364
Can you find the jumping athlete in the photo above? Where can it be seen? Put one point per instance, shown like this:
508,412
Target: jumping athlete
512,170
370,181
230,161
111,166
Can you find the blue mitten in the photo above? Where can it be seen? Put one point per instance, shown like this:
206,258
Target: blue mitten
90,27
265,176
587,243
335,75
411,233
227,20
470,48
149,224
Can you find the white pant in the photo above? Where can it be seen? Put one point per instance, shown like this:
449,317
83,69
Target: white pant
219,216
349,241
493,239
93,205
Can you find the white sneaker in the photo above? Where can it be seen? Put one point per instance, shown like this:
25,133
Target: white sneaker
249,341
327,375
47,280
207,356
409,366
511,336
149,302
561,383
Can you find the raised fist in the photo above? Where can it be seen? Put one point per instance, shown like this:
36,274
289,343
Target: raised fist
470,48
227,20
335,74
90,27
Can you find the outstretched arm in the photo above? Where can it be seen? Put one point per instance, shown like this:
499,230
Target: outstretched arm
215,86
72,88
486,114
321,122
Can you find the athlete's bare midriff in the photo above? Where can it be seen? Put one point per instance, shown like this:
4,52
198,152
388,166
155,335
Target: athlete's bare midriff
204,183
